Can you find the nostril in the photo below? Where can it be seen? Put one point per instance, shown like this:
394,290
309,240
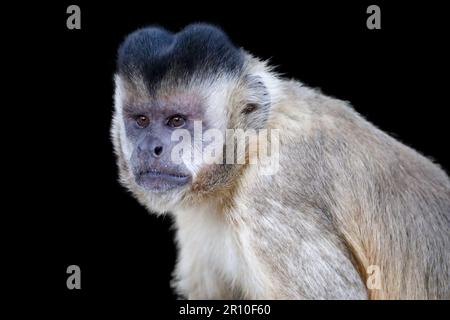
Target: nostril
158,150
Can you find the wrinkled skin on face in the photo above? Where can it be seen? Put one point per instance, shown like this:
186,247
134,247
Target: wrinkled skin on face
149,127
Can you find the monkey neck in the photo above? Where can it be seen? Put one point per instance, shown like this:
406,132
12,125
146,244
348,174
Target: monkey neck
216,184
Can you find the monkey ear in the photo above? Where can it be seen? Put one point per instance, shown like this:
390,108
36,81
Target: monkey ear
256,108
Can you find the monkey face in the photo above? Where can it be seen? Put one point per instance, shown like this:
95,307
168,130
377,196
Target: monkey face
166,83
154,68
150,127
151,158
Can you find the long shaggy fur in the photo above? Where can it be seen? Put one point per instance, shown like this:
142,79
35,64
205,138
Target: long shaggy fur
346,196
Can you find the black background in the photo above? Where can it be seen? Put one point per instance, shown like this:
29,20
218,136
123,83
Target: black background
77,213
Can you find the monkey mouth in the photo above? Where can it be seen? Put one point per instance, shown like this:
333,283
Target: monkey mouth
159,181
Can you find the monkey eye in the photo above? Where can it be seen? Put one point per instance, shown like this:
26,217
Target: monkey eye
249,108
176,121
142,121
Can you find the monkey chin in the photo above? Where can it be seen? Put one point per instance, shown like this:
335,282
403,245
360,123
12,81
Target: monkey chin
159,181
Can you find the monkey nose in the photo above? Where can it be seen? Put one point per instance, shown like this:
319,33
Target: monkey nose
157,151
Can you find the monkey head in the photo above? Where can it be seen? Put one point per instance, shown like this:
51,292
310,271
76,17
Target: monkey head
192,82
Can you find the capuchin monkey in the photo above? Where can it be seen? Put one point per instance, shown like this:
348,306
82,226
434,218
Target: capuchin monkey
348,212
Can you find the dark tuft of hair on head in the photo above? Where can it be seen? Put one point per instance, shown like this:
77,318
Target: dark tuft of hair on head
200,49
